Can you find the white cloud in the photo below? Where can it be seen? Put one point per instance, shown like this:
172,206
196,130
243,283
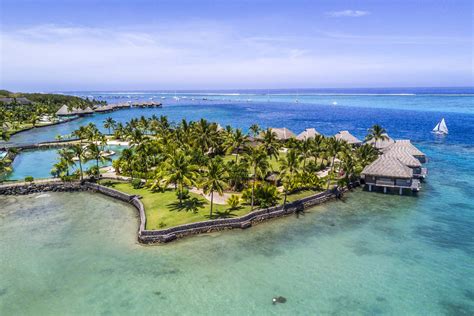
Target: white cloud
347,13
52,57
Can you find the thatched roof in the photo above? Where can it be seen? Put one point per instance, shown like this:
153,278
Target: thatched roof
105,108
283,133
381,144
404,156
348,137
389,167
20,100
408,146
64,110
307,133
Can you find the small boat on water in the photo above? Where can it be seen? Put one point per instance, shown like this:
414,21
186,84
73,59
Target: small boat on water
441,128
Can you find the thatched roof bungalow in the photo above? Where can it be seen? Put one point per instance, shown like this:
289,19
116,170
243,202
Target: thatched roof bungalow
283,133
105,108
389,173
409,147
348,137
20,100
381,144
408,160
307,134
65,111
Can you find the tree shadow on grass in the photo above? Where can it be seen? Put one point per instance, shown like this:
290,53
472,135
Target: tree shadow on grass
188,205
224,214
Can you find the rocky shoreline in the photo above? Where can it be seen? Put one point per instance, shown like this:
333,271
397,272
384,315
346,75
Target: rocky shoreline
173,233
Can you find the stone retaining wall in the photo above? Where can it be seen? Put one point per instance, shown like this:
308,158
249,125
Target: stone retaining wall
245,221
167,235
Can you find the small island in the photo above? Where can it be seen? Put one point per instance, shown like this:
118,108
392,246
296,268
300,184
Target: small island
179,174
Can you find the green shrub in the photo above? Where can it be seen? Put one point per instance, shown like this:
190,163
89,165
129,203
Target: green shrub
29,179
184,194
265,195
233,202
137,183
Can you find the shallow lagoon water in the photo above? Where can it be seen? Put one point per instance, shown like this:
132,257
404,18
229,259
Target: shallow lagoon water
76,253
38,163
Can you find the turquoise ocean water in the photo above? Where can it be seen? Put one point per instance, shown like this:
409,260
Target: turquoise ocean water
76,253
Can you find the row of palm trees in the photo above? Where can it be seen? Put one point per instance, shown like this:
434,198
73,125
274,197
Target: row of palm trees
14,115
90,146
200,154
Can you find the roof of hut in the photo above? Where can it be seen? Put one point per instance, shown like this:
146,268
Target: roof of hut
20,100
381,144
408,146
307,133
283,133
389,167
348,137
64,110
403,155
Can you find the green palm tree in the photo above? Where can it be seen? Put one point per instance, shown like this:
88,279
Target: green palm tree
270,143
66,156
235,141
334,148
254,129
304,149
289,166
178,170
94,152
377,133
258,160
80,152
110,124
214,179
4,167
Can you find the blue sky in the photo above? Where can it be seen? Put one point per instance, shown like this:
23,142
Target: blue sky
224,44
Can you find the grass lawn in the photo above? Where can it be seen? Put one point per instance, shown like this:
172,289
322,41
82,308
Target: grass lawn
301,194
273,163
163,211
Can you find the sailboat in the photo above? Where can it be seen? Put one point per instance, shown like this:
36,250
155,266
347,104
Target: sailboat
441,128
297,95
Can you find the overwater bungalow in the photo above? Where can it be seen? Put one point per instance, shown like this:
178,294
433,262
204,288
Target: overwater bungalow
409,147
147,104
307,134
66,111
283,133
381,144
348,137
105,108
408,160
389,174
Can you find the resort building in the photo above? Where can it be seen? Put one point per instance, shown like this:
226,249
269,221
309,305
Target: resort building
348,137
283,133
409,147
105,108
21,100
65,111
307,134
389,173
381,144
408,160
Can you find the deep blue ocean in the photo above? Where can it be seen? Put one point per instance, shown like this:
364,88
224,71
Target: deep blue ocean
368,254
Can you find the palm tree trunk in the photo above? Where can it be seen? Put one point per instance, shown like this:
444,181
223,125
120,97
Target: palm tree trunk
212,202
80,169
180,193
284,200
331,171
253,186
